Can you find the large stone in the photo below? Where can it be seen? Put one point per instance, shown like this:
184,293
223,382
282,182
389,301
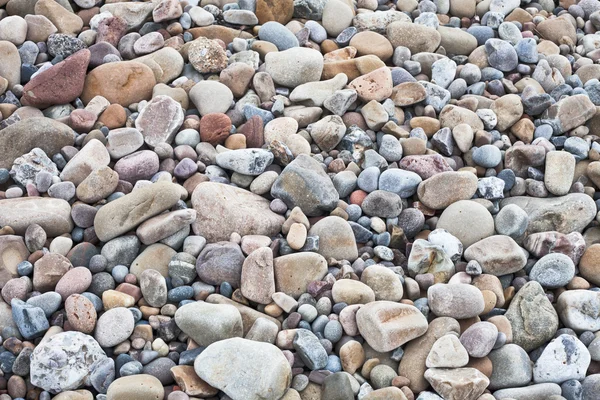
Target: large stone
458,300
498,255
220,262
245,369
65,20
511,367
166,64
60,84
274,10
12,252
258,277
416,351
293,272
92,156
156,256
469,221
294,66
223,209
10,67
114,327
304,183
445,188
532,317
387,325
249,314
458,383
569,113
64,361
541,391
564,358
124,214
565,214
578,310
209,323
123,83
44,133
53,215
136,387
336,239
417,38
555,29
427,258
134,14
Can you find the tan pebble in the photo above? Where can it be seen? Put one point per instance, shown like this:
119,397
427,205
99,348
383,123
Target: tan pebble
352,356
114,299
368,366
296,236
489,299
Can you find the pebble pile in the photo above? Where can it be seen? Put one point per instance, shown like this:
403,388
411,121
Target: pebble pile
299,199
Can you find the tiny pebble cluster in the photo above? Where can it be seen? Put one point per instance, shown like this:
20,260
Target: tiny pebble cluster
299,200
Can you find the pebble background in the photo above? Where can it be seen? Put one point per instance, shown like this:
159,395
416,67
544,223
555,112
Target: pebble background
299,199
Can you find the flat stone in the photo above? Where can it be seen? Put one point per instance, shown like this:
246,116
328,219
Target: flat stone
220,262
12,252
458,300
541,391
245,369
498,255
579,108
417,38
447,352
123,83
258,276
309,349
479,339
469,221
91,156
304,183
565,214
220,209
445,188
36,132
126,213
564,358
534,321
114,327
136,387
11,63
252,162
156,256
386,325
211,97
208,323
160,120
249,314
511,367
293,272
576,310
60,84
294,66
336,239
457,384
53,215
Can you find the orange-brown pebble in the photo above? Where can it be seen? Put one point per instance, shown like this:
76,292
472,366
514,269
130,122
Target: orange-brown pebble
113,117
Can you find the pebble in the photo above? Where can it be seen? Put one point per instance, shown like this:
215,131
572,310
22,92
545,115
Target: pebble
386,200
